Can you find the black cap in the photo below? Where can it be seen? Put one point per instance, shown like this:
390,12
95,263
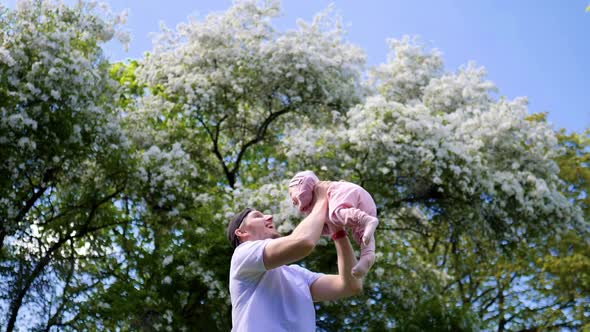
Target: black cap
234,224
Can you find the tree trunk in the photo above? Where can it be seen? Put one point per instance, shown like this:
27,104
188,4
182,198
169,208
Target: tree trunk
502,322
18,300
2,236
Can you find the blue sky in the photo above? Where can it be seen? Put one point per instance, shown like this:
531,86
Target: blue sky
538,49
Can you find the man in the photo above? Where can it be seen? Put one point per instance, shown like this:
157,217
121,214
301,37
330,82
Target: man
269,295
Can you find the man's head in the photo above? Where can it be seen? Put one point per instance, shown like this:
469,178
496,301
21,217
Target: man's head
250,225
301,190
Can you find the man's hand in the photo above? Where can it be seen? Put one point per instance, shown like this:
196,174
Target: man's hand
330,228
320,195
320,191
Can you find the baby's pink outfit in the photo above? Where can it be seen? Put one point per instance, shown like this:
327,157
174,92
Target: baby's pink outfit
349,206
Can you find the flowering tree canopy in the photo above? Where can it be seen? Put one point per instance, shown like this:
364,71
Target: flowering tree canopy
233,79
119,179
59,139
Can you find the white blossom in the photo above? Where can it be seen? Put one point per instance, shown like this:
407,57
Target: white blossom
167,260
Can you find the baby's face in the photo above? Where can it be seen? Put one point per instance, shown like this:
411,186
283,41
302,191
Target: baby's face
293,197
295,200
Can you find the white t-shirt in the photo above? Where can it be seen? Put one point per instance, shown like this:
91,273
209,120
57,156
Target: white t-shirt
274,301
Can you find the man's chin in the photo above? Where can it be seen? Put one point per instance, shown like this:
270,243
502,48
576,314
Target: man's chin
275,236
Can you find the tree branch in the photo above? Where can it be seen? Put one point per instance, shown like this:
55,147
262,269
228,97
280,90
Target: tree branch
17,301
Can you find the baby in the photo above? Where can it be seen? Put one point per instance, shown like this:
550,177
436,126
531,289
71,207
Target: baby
349,205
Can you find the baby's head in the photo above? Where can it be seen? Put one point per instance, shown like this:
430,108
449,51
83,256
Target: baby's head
301,190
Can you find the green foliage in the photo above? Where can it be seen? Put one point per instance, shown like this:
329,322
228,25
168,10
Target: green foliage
115,218
125,75
432,315
574,166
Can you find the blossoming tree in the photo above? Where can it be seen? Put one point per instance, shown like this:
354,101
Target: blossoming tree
61,147
122,178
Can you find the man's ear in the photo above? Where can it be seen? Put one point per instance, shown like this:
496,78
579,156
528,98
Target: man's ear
239,232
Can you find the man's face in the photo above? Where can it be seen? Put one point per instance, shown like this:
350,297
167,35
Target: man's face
259,226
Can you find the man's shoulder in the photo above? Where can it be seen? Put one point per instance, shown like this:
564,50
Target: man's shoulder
249,245
248,253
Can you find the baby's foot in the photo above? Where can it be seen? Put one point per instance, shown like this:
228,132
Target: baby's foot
359,271
362,267
370,228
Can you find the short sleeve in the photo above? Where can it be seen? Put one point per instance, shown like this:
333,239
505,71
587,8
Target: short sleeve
307,275
247,261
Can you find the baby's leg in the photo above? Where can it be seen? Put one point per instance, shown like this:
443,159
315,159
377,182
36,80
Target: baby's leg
356,218
370,227
366,260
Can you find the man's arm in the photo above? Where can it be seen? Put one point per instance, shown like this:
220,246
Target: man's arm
302,240
333,287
